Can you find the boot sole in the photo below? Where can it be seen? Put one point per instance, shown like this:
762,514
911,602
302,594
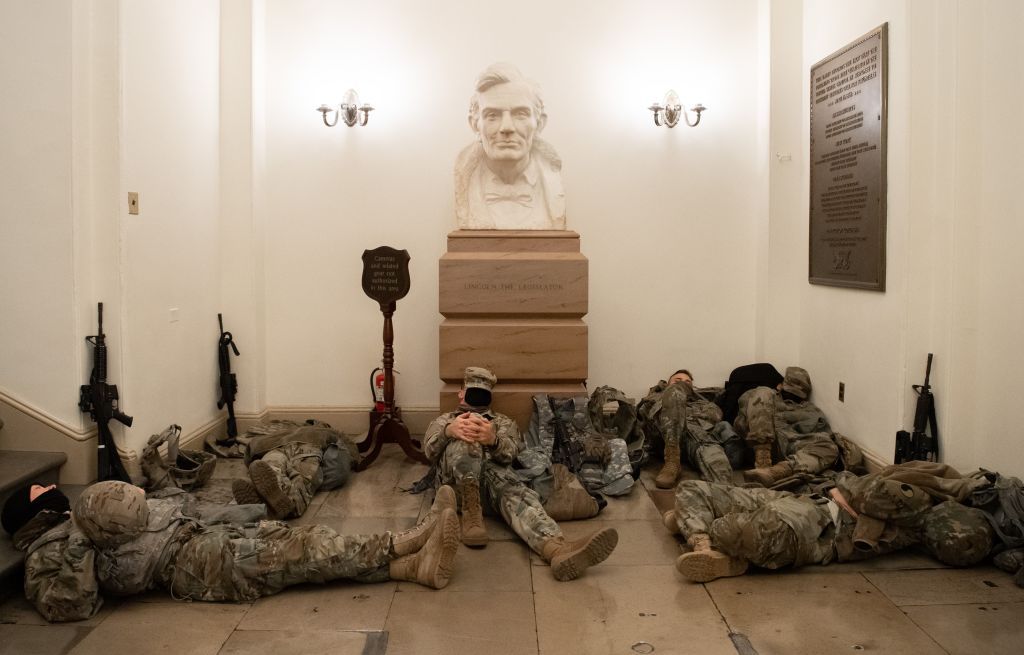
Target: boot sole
449,530
265,480
245,493
475,542
596,550
705,567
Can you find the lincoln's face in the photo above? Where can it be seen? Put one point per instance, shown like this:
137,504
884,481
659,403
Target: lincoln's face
507,121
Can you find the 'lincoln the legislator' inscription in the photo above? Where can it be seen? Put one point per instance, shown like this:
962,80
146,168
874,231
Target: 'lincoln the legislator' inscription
848,158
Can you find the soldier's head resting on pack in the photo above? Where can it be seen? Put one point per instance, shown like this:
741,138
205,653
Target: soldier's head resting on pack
796,385
682,375
26,502
476,387
111,513
957,535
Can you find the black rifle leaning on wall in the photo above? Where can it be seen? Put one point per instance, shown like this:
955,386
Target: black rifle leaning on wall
228,381
99,399
923,443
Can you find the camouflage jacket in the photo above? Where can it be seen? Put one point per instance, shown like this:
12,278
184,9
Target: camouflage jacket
504,450
793,420
65,571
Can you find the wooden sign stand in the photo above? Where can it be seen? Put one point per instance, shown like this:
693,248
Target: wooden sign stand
386,280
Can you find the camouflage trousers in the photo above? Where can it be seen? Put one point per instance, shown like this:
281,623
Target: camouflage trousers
771,529
808,453
502,493
676,427
231,562
297,468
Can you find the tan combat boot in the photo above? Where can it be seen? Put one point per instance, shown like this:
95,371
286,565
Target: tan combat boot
670,471
762,456
474,534
705,564
411,540
431,566
771,475
568,500
264,478
569,559
669,519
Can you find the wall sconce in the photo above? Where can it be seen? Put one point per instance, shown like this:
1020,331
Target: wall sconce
668,115
349,111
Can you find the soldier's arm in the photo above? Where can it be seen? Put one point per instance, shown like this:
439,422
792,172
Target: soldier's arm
60,579
507,440
435,439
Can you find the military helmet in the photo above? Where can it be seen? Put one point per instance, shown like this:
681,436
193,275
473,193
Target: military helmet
111,513
957,535
192,468
797,382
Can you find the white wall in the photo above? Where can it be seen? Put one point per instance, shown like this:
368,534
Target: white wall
38,339
667,217
172,249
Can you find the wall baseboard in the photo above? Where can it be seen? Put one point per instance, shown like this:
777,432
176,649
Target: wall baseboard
28,428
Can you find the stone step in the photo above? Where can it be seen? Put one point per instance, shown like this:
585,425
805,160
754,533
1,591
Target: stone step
18,468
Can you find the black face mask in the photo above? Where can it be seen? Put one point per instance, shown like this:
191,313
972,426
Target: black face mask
477,397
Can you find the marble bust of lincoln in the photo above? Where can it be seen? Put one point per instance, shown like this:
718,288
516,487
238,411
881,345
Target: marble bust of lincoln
508,179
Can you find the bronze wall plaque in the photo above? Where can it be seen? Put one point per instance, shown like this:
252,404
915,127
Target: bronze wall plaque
385,274
848,165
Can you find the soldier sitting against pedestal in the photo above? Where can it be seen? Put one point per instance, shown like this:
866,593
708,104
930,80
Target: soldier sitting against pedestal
473,448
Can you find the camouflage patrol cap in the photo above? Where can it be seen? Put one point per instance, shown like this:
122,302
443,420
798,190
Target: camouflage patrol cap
479,378
797,382
111,513
478,383
956,534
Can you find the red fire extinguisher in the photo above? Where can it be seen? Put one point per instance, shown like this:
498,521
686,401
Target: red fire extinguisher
377,388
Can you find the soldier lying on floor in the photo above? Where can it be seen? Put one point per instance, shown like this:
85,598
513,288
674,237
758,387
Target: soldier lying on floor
119,542
289,462
850,518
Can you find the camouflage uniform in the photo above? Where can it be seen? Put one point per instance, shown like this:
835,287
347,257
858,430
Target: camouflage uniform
680,416
773,529
65,571
501,490
797,429
293,455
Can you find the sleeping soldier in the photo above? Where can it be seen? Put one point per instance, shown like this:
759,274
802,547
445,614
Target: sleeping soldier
785,421
684,419
120,543
852,518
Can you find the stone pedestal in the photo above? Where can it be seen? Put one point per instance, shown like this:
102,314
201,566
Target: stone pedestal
513,301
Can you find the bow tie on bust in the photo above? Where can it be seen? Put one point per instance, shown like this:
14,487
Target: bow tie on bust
524,199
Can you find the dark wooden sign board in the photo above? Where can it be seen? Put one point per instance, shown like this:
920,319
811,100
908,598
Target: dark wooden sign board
386,280
848,165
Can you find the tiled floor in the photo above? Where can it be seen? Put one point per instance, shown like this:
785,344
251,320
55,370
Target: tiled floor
504,600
